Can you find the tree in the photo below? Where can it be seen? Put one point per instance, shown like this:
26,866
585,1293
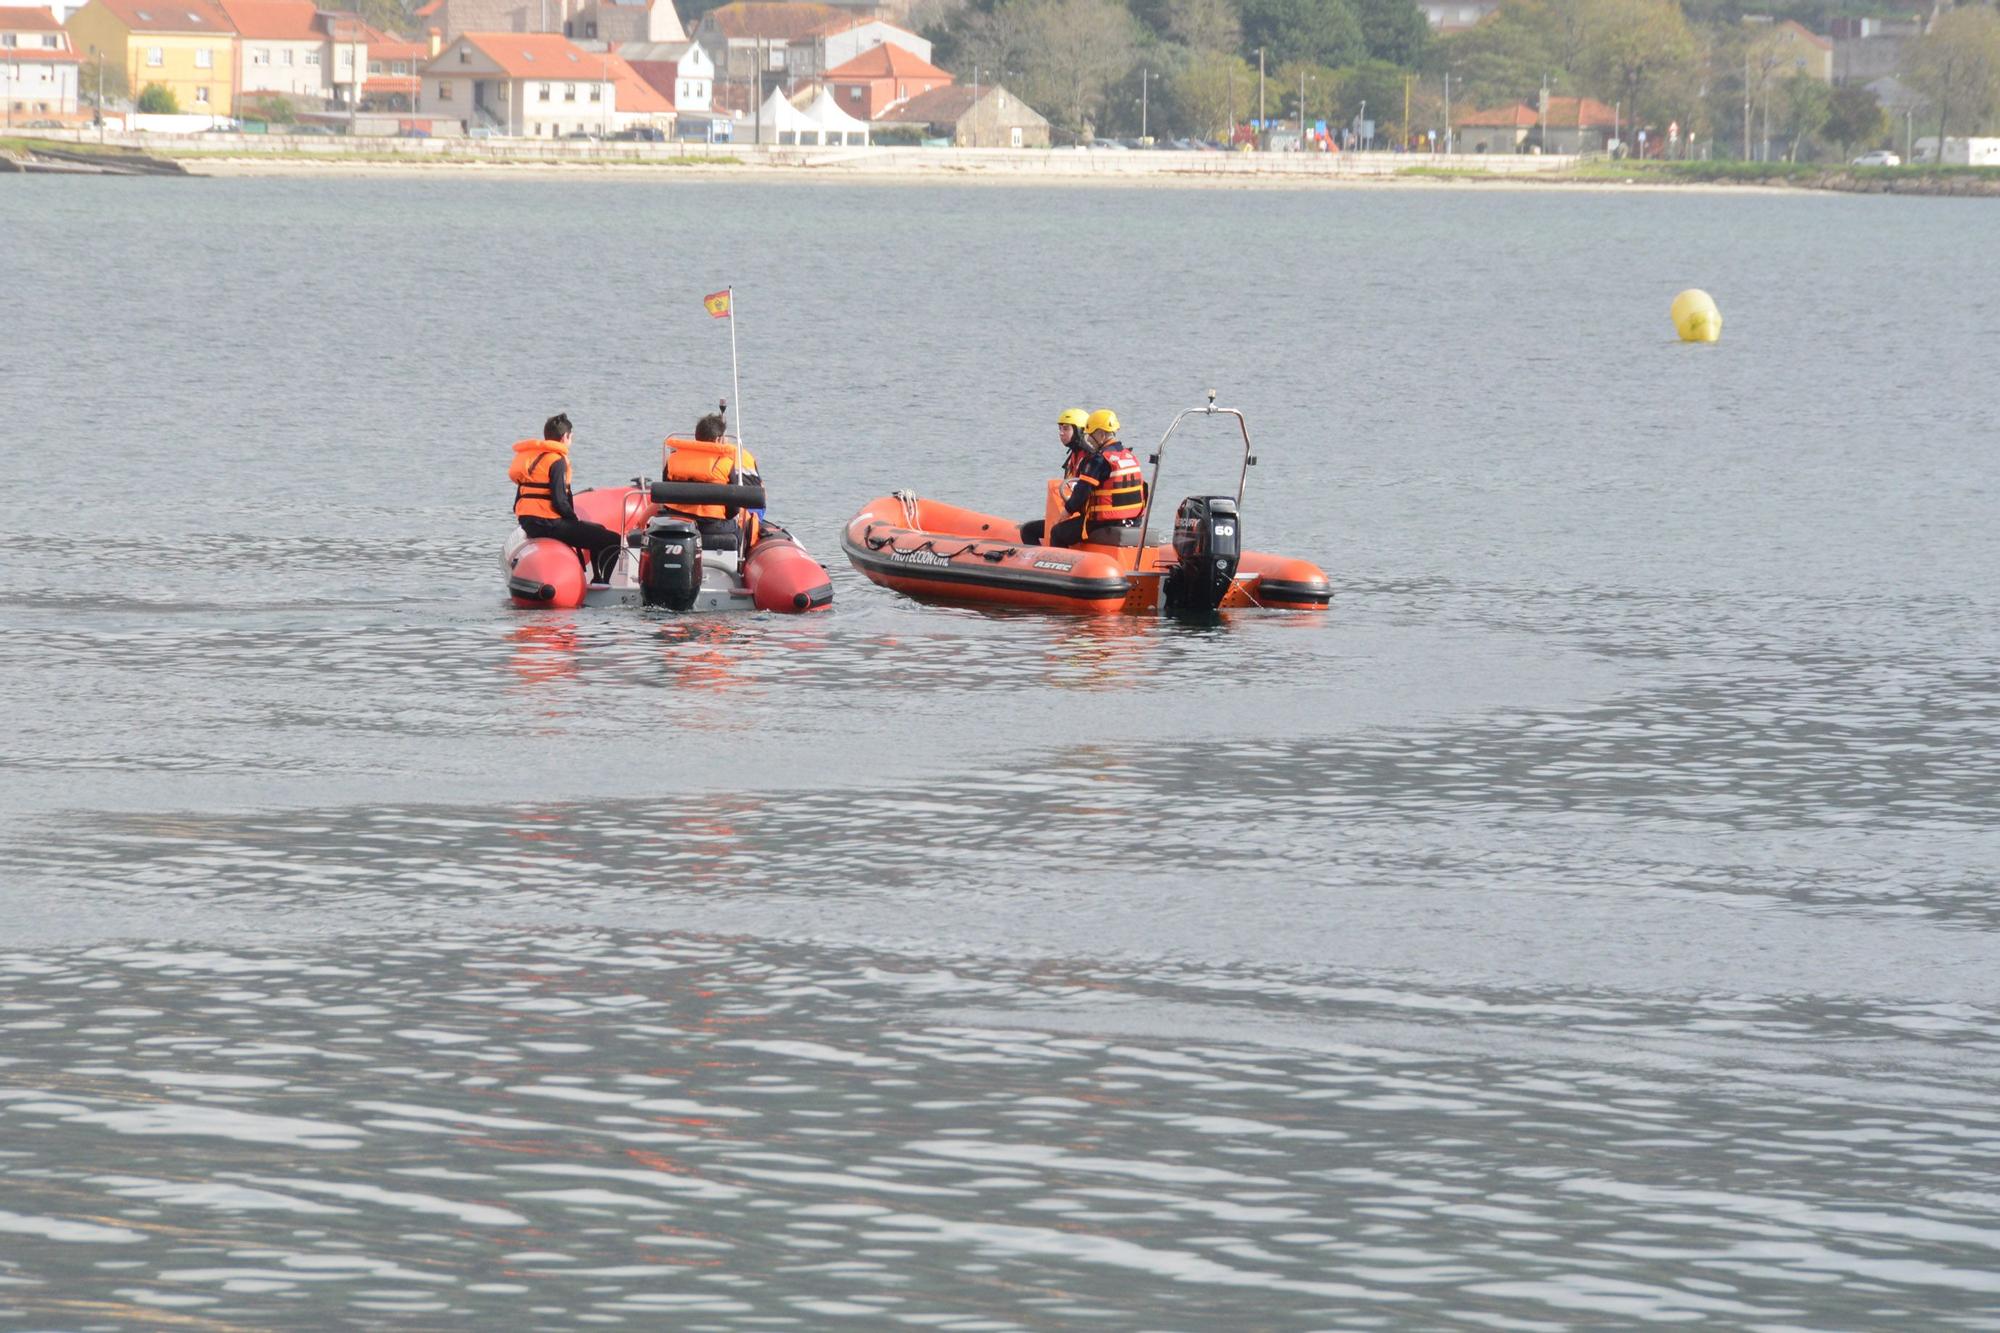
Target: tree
156,99
1498,62
1373,83
1956,67
1322,88
1394,30
1807,103
1323,31
1854,117
1641,53
1067,52
104,82
1213,93
1203,25
273,108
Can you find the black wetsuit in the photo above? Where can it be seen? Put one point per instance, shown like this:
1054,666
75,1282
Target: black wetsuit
600,541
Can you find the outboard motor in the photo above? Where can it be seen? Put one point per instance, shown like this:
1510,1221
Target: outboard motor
1208,541
670,563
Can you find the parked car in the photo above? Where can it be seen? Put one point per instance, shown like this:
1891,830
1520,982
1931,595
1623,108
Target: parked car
642,134
1881,157
308,129
581,134
482,132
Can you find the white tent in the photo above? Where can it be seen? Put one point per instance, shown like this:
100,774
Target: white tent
835,125
782,123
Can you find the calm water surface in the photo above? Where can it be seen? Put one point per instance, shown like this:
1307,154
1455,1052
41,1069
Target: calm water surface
1591,922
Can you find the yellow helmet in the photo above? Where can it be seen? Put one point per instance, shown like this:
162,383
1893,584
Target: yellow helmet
1102,419
1073,416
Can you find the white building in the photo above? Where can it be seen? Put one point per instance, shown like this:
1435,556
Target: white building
681,72
281,47
38,70
539,85
1458,15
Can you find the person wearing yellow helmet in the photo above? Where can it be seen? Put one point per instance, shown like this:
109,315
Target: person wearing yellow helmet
1106,491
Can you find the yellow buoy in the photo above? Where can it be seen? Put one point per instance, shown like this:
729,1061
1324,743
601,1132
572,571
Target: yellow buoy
1695,317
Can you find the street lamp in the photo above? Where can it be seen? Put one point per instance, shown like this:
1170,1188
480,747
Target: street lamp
1145,77
1260,94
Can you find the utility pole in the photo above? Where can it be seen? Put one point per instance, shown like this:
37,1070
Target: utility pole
1260,94
1145,77
1544,109
1406,109
1447,113
1746,106
1302,109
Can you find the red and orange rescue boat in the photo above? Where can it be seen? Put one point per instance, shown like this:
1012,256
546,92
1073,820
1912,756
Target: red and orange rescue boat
934,551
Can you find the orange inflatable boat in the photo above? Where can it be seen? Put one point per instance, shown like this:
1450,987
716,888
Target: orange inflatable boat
934,551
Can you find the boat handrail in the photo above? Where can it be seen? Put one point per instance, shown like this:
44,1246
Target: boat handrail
1208,409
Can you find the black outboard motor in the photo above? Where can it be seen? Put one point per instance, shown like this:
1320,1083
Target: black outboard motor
670,563
1209,541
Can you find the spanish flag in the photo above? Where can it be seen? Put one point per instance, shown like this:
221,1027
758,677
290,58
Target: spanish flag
717,304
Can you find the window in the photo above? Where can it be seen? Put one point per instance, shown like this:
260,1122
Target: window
153,57
1015,134
569,92
346,57
465,55
312,58
7,39
204,58
374,67
285,56
597,92
51,42
854,93
545,92
260,55
201,96
444,91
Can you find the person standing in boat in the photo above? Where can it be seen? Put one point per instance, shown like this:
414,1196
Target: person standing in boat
1104,488
712,458
543,501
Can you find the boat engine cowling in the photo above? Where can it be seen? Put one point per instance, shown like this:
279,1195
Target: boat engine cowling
1208,542
670,563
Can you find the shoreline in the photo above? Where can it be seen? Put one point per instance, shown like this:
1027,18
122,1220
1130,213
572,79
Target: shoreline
278,156
787,173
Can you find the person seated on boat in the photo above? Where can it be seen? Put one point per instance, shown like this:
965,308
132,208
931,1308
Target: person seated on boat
711,457
1104,490
543,498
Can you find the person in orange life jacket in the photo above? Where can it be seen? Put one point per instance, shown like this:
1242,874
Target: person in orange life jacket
543,501
712,458
1107,487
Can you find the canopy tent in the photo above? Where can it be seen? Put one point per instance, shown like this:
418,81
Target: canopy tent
782,123
835,125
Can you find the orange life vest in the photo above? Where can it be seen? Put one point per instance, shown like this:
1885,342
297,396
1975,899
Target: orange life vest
705,460
1121,495
533,496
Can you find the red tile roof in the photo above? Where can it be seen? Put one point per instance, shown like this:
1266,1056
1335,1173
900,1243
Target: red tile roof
536,55
887,61
1823,43
771,21
1518,116
939,106
1563,114
40,55
161,16
28,20
632,93
274,20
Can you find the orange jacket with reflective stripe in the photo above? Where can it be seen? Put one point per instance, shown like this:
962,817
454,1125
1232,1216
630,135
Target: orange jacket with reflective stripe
1122,493
533,497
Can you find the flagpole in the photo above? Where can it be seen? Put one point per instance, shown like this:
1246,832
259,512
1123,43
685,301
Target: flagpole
735,382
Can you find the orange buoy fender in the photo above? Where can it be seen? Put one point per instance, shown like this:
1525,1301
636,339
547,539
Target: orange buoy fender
782,577
545,573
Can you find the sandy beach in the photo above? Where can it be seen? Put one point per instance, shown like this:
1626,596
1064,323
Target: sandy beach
903,173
